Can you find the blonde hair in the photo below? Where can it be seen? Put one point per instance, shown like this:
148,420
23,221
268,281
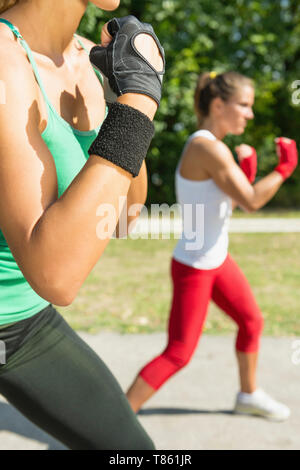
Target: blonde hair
6,4
210,85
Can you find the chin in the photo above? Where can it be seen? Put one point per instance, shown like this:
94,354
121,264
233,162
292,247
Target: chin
109,5
238,131
114,5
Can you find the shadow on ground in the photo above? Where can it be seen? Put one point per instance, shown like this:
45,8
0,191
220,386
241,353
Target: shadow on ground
182,411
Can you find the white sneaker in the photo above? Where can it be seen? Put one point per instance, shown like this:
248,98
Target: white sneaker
261,404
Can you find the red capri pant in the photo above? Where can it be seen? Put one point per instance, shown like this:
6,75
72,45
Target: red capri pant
192,290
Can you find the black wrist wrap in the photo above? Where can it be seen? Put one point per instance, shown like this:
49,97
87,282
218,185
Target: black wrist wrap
124,138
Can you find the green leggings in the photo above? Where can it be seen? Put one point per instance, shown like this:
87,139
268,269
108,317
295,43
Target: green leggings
59,383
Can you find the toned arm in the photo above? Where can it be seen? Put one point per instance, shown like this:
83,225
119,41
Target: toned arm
137,193
218,162
54,241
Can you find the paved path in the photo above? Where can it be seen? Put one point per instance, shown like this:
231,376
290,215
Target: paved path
193,410
239,225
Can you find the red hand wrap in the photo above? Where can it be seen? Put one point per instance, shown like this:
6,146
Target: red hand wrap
288,157
249,165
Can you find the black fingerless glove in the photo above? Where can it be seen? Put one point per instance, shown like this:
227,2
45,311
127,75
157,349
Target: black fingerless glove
124,66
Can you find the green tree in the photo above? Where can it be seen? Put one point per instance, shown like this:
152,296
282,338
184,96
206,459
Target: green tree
260,39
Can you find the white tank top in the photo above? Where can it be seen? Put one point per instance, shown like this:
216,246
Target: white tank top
206,212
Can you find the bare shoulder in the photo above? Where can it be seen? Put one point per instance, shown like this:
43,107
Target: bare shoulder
12,54
203,157
9,48
211,148
16,76
211,151
8,40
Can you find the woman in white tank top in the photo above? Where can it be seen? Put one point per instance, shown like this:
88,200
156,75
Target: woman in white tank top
208,179
211,250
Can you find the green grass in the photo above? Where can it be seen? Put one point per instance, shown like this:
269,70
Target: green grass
269,213
129,290
280,213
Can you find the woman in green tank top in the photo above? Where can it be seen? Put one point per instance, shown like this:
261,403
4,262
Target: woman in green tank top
51,187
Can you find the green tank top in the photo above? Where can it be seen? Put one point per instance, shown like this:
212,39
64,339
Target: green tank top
69,149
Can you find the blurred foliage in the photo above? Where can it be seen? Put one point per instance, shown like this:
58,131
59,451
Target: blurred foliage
260,39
